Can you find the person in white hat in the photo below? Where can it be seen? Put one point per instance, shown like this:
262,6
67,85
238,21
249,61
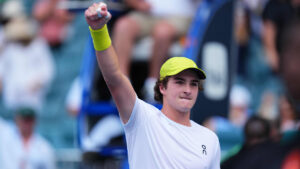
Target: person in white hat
26,65
156,139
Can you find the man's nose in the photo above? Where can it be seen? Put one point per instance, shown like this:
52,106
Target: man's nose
187,89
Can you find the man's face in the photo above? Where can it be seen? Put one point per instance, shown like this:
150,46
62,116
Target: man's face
181,91
26,125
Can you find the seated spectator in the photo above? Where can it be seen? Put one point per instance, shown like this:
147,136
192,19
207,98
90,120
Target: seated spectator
291,61
258,151
286,123
53,21
277,15
290,73
164,21
26,65
26,149
248,26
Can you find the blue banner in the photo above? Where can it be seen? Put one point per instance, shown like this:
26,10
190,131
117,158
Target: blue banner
211,46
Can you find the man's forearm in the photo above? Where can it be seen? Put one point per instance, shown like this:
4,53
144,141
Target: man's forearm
109,65
106,55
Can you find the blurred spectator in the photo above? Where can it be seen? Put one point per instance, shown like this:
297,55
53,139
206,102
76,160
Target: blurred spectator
282,116
277,15
253,67
290,71
25,149
229,130
288,118
290,62
287,122
248,30
105,130
53,21
26,65
164,21
258,151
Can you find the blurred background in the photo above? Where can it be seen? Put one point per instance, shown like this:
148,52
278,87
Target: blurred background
52,90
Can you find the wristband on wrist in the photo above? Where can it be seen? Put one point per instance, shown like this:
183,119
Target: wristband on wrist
101,39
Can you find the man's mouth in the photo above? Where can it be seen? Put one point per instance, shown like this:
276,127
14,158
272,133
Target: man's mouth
186,98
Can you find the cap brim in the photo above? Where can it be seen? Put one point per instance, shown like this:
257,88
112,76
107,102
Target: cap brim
199,72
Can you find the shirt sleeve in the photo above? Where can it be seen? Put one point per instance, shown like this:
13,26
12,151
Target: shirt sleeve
132,120
139,115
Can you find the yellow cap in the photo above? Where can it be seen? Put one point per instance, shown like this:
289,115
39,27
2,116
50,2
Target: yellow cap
176,65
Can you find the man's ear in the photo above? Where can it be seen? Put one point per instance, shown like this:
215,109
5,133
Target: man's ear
162,89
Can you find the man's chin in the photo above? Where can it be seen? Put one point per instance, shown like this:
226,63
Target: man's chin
185,109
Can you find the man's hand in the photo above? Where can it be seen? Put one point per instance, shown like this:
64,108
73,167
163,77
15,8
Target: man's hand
97,15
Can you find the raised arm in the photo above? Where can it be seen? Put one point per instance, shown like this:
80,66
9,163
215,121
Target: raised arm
118,84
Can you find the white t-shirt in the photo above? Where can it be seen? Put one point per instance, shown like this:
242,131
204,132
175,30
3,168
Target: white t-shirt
156,142
38,153
22,70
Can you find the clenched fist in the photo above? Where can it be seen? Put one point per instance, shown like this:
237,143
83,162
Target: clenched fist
97,15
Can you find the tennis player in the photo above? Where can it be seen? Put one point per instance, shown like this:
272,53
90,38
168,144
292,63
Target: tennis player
156,139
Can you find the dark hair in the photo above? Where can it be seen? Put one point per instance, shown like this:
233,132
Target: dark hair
25,112
158,96
257,128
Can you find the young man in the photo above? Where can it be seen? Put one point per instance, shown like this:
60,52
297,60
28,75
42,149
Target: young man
156,139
